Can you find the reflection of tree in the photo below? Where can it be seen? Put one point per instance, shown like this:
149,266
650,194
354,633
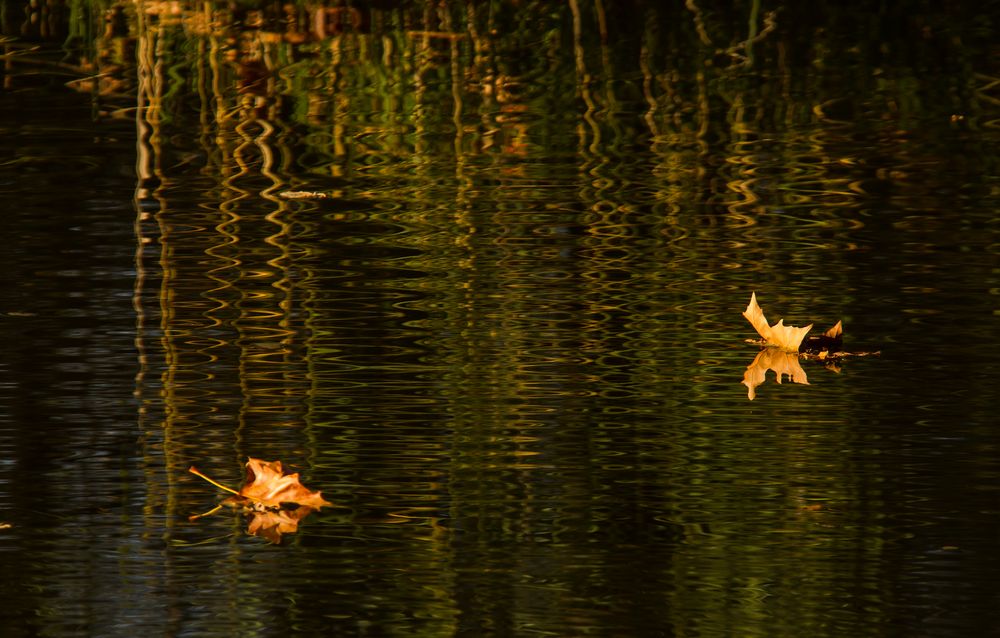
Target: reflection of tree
494,284
510,319
214,262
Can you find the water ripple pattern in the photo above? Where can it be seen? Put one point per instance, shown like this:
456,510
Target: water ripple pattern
475,270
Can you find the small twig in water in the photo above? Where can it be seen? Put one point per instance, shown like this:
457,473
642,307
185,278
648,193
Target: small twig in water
215,509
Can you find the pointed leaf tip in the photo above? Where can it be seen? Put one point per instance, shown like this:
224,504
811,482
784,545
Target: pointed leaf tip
835,331
755,316
780,335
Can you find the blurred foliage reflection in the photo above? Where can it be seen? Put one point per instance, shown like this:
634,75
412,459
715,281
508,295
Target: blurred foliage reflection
479,267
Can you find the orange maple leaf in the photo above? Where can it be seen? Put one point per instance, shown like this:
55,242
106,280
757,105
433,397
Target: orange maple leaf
275,501
268,483
268,486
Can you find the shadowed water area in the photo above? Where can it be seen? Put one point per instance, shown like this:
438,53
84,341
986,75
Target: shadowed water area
476,271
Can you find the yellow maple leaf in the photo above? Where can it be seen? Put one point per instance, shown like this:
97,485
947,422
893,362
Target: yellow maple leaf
785,337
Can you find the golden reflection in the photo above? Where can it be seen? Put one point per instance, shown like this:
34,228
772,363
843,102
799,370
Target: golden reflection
218,304
784,364
273,524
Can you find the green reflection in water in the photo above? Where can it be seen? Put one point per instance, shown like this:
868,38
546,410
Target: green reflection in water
508,336
507,333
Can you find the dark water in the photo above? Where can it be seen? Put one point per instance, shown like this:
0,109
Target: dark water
503,333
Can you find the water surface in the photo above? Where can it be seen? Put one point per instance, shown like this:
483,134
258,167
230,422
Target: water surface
484,291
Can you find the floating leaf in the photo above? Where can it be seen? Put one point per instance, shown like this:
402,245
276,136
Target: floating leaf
836,332
791,338
779,335
304,195
267,483
276,500
787,345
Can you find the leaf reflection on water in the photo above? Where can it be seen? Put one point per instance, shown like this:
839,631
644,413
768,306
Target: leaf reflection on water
783,363
273,499
271,524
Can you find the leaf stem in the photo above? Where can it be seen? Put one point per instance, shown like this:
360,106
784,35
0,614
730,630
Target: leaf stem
195,471
208,513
